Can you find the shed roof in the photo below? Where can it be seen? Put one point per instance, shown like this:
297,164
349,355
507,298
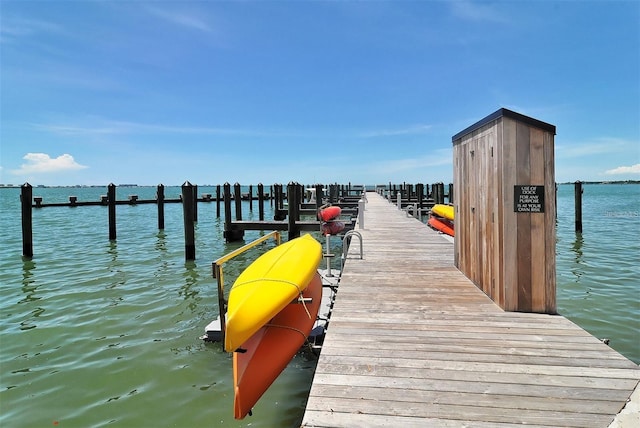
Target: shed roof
503,112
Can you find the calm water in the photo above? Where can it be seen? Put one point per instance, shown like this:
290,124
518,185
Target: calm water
98,333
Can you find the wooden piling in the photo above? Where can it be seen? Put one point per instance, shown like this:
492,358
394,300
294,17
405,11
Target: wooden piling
420,197
578,193
319,196
438,193
111,201
194,201
218,201
250,197
237,198
26,193
160,201
279,214
293,213
260,201
188,197
230,234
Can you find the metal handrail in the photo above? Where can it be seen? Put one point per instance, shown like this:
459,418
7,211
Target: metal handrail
345,243
216,267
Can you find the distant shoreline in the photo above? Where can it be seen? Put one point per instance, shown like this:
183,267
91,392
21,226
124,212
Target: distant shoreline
76,186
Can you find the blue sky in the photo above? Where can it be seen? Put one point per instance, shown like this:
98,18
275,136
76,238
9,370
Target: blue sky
98,92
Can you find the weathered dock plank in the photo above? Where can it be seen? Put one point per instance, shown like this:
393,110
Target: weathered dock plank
413,343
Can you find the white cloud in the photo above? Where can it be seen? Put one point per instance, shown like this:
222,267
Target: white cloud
476,11
183,19
437,158
15,28
39,163
98,126
595,147
410,130
633,169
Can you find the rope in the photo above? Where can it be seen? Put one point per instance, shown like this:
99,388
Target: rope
287,328
304,305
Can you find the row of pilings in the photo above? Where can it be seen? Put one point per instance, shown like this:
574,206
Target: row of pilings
230,198
227,197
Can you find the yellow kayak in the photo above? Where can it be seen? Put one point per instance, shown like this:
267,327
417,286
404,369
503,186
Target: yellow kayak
267,286
444,211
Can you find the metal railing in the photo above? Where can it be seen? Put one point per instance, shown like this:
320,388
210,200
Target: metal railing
346,243
219,275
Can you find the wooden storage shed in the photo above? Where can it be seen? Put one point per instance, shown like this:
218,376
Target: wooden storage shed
504,182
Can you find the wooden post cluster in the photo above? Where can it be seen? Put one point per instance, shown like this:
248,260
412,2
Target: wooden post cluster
188,198
505,210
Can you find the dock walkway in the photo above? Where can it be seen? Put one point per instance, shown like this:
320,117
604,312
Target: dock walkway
413,343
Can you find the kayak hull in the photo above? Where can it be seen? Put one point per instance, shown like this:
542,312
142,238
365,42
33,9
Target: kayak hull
268,285
266,354
444,211
441,225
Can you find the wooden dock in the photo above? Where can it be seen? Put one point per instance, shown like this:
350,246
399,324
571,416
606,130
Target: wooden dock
413,343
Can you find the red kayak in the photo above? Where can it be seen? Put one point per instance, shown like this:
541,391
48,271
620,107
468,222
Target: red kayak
441,225
329,213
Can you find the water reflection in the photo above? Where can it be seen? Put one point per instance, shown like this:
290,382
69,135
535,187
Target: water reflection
161,242
28,324
118,277
576,248
163,256
189,290
29,286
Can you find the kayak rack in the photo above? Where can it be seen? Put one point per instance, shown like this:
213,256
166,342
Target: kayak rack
215,330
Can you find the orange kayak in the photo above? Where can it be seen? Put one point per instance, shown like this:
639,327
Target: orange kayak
266,354
441,225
